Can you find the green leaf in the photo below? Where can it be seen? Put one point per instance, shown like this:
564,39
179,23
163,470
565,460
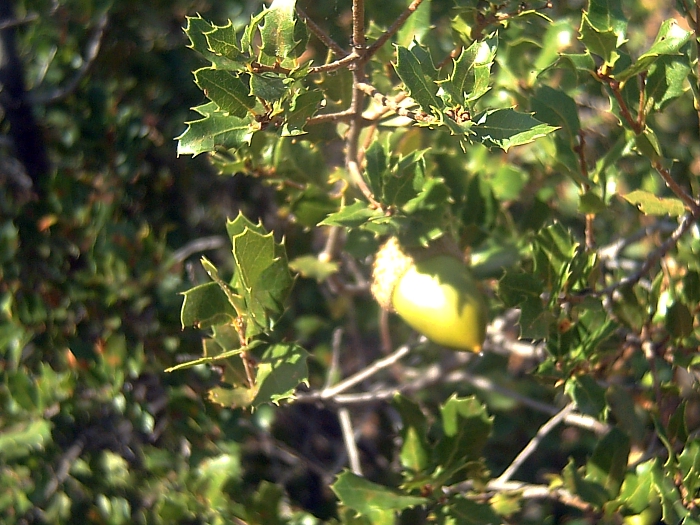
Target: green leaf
650,204
419,77
263,273
603,43
366,497
471,73
588,395
524,290
506,128
206,305
227,90
466,427
416,27
268,86
689,464
376,166
279,372
216,129
240,224
667,80
303,106
280,35
467,512
352,216
603,27
673,510
414,452
555,107
222,41
637,488
589,491
669,41
608,464
22,439
311,267
197,30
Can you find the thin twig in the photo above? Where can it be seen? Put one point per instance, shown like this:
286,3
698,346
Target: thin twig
321,34
334,367
8,24
341,63
331,117
196,246
534,443
366,373
690,203
376,46
387,102
686,222
91,52
349,439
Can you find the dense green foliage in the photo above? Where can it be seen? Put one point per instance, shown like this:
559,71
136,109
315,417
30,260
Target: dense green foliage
554,146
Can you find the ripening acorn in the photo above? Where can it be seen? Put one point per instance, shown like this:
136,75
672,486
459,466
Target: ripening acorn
434,292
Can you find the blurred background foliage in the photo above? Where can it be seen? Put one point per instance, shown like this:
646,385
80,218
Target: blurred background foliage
91,428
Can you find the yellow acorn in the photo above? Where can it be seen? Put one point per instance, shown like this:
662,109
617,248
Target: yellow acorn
433,291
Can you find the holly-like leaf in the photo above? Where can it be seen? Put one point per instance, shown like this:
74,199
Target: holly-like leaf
281,369
302,107
351,216
311,267
602,29
667,80
506,128
689,464
419,77
216,129
464,511
471,74
637,488
650,204
555,107
367,497
466,426
608,464
228,90
588,395
197,30
24,438
206,305
376,166
415,450
222,41
282,36
669,41
268,86
263,273
524,290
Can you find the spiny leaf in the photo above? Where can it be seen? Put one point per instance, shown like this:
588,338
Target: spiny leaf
228,90
418,79
650,204
206,305
216,129
669,41
506,128
365,496
280,371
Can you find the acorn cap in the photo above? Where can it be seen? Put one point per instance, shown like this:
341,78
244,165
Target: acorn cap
392,261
